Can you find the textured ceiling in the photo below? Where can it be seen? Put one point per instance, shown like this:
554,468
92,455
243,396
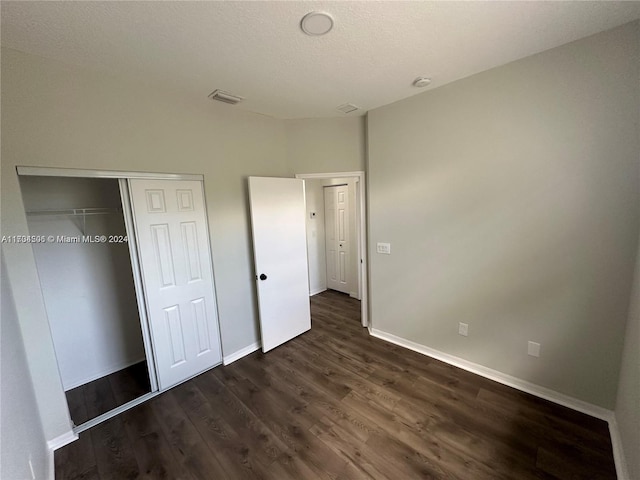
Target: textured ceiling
257,50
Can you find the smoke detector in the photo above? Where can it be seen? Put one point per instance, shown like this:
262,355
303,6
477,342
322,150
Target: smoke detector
316,23
421,82
225,97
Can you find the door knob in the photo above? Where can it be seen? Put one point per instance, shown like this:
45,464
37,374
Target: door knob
263,276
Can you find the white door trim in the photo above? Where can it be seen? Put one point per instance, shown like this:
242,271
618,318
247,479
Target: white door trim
361,223
77,172
359,174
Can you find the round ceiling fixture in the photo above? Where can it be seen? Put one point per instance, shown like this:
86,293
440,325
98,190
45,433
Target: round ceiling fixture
316,23
422,82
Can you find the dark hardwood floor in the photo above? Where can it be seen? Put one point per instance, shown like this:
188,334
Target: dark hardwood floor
336,403
104,394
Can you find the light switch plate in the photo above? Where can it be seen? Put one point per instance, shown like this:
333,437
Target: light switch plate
463,329
533,349
384,248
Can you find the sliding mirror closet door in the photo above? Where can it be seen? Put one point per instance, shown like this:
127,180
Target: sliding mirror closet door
173,242
87,284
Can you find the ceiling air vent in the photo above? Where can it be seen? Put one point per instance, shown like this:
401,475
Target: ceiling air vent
225,97
347,108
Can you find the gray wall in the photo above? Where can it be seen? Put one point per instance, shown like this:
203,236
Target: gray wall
55,115
511,201
628,402
316,253
21,437
325,145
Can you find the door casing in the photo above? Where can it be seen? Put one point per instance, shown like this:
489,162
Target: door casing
361,233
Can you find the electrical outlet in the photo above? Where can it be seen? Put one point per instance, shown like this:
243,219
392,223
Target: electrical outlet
533,349
383,248
463,329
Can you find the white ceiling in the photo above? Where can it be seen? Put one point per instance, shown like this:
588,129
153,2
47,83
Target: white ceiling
257,50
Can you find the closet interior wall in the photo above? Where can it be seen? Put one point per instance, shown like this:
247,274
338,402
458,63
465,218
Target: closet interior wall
87,287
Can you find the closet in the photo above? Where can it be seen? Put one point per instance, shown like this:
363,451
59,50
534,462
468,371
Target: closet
125,273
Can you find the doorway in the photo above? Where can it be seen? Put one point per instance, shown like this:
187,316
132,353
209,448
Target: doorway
317,188
125,270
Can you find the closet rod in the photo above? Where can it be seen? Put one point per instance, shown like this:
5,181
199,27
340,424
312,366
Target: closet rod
75,211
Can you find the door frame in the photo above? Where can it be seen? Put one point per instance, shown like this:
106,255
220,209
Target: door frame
361,232
86,173
123,178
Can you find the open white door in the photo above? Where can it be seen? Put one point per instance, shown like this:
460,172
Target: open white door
280,254
173,240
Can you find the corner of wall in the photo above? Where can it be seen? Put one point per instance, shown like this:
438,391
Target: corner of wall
22,276
626,434
23,447
320,145
619,456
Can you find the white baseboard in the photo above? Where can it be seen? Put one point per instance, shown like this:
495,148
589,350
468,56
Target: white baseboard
243,352
354,295
622,470
317,291
517,383
102,373
525,386
62,440
51,465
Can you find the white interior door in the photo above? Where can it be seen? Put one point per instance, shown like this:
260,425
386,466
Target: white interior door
173,241
280,251
337,242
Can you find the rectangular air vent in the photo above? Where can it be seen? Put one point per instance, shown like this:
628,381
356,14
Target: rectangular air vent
347,108
225,97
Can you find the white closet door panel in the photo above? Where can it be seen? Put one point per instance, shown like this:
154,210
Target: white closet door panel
175,334
191,253
199,310
172,233
343,268
161,240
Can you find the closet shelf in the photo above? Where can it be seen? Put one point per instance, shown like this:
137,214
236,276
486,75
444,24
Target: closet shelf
75,211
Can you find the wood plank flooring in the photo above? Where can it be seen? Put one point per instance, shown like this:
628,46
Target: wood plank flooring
104,394
336,403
